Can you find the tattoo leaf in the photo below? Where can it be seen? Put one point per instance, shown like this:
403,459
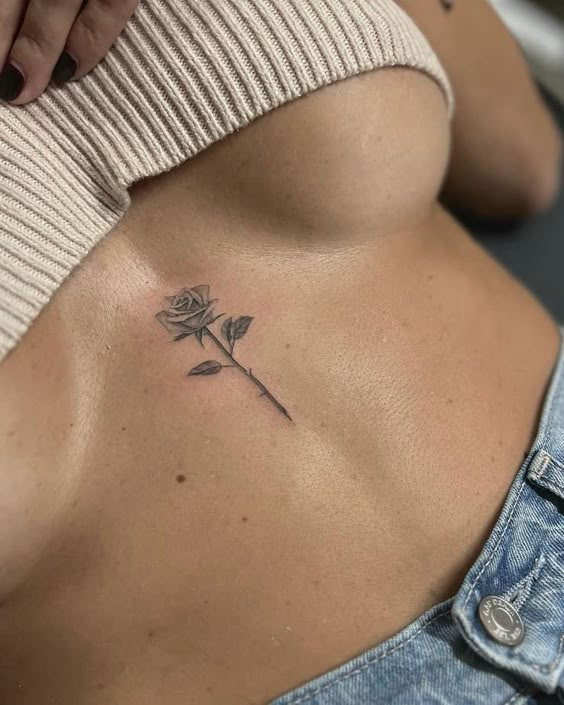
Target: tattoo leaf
226,329
181,337
209,367
200,336
240,327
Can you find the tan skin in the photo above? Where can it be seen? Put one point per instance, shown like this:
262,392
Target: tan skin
177,540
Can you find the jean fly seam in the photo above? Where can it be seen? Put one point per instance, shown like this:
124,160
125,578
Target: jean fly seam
370,662
519,594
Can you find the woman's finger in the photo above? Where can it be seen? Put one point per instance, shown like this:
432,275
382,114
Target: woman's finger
95,30
11,13
38,46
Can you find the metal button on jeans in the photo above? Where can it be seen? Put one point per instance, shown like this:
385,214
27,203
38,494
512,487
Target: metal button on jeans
501,620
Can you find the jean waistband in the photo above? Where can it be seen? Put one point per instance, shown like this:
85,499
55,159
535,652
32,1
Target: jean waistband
523,558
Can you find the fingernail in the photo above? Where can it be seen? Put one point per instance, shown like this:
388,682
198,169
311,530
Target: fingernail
65,68
11,82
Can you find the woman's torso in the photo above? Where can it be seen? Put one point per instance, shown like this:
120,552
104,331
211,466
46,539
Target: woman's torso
177,537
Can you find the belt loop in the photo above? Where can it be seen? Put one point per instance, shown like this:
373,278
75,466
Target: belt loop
544,471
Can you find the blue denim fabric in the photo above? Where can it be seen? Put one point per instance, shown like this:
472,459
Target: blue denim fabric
446,656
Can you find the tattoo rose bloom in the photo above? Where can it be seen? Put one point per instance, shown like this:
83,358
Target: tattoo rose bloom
191,312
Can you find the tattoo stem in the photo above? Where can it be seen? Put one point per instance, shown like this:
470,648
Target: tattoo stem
248,374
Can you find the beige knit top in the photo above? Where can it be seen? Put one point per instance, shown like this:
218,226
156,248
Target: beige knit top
184,74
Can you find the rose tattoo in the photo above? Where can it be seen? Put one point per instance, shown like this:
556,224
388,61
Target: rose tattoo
191,312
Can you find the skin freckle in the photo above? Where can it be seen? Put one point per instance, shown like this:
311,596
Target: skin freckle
245,519
181,478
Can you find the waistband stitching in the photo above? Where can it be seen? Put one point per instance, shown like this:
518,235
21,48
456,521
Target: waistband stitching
552,665
370,662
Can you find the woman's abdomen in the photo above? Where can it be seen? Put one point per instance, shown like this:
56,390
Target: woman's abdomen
178,536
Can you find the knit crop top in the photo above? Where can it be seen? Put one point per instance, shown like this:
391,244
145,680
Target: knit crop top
183,75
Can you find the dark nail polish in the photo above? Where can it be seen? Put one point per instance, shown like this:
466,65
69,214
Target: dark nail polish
11,83
65,68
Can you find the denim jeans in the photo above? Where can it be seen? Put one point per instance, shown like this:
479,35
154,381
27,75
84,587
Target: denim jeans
449,656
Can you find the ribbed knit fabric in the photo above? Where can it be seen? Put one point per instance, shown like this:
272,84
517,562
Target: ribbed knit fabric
183,75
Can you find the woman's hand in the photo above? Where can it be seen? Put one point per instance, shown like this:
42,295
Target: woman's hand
42,40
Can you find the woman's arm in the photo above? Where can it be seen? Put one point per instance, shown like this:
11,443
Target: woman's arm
506,148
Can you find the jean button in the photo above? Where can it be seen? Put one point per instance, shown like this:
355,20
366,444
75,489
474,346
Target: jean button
501,620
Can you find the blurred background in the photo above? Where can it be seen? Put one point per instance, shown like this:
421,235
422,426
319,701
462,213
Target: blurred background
534,251
539,28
